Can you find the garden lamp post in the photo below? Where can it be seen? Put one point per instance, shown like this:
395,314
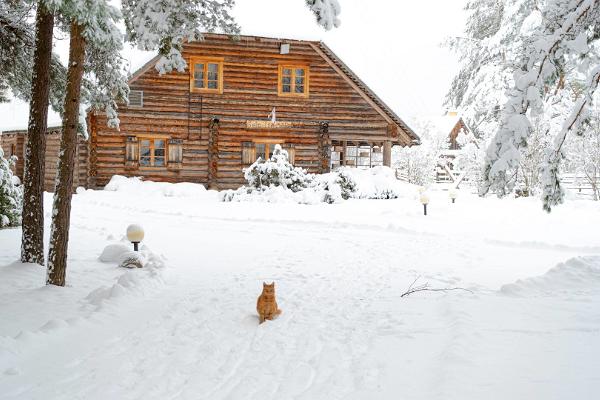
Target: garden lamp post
453,195
135,234
424,201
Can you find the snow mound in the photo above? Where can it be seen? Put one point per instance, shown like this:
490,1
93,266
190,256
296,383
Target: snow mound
138,186
379,183
114,252
274,194
579,275
132,282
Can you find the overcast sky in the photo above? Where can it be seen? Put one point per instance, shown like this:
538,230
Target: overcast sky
393,45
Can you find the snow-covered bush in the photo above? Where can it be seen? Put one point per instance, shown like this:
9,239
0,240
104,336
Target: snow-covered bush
277,171
277,180
334,187
346,182
11,196
379,183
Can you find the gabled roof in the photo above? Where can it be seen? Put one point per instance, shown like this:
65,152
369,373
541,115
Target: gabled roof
322,49
412,136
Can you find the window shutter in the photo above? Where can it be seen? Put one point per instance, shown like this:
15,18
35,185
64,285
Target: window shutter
175,150
291,150
131,151
248,153
136,98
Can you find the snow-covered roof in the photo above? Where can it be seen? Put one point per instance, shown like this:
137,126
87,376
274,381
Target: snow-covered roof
15,115
441,125
445,123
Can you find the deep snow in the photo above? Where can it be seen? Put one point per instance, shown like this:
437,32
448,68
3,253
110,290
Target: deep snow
185,327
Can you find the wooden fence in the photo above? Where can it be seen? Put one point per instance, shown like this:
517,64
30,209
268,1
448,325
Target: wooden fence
581,185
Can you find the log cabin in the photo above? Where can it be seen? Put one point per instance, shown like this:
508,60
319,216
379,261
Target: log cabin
238,98
14,141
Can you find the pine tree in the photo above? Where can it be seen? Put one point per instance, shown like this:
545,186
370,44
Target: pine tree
21,53
488,52
32,237
16,53
565,38
95,45
11,196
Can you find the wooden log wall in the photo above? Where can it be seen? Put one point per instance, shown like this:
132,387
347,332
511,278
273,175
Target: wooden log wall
250,83
14,145
19,139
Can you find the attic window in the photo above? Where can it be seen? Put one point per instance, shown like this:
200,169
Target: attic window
293,80
206,75
136,98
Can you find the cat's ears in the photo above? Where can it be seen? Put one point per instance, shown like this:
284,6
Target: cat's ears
265,284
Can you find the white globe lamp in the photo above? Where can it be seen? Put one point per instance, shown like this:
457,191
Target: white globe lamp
135,234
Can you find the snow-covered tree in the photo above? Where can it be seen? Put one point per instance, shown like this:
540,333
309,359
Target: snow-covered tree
492,42
418,163
32,233
469,158
532,157
16,49
94,49
583,153
11,196
527,56
564,38
16,53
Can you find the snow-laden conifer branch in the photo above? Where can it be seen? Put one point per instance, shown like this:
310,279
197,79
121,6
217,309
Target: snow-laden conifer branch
166,25
16,54
326,11
545,53
553,193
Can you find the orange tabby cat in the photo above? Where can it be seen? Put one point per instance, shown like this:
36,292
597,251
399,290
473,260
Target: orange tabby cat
266,304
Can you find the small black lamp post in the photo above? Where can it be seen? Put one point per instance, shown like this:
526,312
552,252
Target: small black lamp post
135,234
424,201
453,195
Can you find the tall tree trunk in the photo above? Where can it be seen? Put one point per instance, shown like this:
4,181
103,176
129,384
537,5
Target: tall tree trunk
32,239
61,213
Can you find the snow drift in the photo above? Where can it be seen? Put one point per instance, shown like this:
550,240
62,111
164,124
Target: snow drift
123,184
130,282
580,275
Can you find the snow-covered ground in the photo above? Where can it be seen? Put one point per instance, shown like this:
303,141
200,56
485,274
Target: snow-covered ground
186,327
